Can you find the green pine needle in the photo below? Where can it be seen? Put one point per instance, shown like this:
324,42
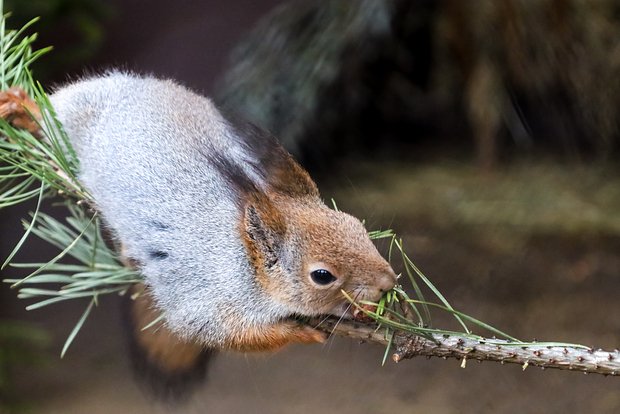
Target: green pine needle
98,272
28,229
28,162
77,327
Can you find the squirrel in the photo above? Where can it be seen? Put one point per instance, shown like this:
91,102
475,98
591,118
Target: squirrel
227,229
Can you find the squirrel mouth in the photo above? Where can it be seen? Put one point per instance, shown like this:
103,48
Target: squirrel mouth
360,315
348,310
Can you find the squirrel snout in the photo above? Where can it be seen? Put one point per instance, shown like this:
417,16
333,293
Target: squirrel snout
386,281
381,284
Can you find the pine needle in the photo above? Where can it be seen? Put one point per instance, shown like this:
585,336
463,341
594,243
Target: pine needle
28,229
77,327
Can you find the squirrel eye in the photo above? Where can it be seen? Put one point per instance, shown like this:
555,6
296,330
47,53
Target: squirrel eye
322,277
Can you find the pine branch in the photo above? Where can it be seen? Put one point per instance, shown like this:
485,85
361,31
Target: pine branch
407,345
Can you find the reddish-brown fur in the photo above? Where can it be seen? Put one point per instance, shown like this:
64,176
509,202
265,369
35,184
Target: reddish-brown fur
17,108
162,347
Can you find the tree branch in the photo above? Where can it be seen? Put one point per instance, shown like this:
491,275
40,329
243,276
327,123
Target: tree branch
408,346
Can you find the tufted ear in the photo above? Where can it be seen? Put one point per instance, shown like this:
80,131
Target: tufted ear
264,228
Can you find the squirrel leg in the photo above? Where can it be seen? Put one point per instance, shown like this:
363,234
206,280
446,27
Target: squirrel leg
274,337
19,110
170,367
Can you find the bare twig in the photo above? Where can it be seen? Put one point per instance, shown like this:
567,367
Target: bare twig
406,346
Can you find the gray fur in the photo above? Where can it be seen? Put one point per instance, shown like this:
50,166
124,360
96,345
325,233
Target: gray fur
141,143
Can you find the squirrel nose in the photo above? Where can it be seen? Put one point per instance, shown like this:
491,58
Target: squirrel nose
386,281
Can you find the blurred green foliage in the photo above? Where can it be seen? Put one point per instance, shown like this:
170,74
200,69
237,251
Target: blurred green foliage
20,345
74,27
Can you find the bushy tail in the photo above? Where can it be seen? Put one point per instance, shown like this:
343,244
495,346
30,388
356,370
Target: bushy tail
169,368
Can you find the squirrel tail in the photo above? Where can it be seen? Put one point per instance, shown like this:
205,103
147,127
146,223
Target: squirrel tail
169,368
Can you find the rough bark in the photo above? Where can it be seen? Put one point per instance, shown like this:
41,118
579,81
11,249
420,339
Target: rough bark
587,360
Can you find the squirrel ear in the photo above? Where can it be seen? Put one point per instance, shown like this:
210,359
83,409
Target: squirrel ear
264,229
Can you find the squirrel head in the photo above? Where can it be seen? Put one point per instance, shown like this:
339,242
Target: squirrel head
305,254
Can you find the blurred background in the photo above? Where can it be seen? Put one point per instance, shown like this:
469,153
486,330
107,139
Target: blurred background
484,132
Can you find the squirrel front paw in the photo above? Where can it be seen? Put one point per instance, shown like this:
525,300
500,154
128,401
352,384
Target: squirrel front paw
306,335
19,110
274,337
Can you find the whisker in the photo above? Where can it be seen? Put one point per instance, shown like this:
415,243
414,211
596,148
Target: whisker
343,314
340,319
321,321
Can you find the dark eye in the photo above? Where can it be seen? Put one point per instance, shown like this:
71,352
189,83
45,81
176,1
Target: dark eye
322,277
